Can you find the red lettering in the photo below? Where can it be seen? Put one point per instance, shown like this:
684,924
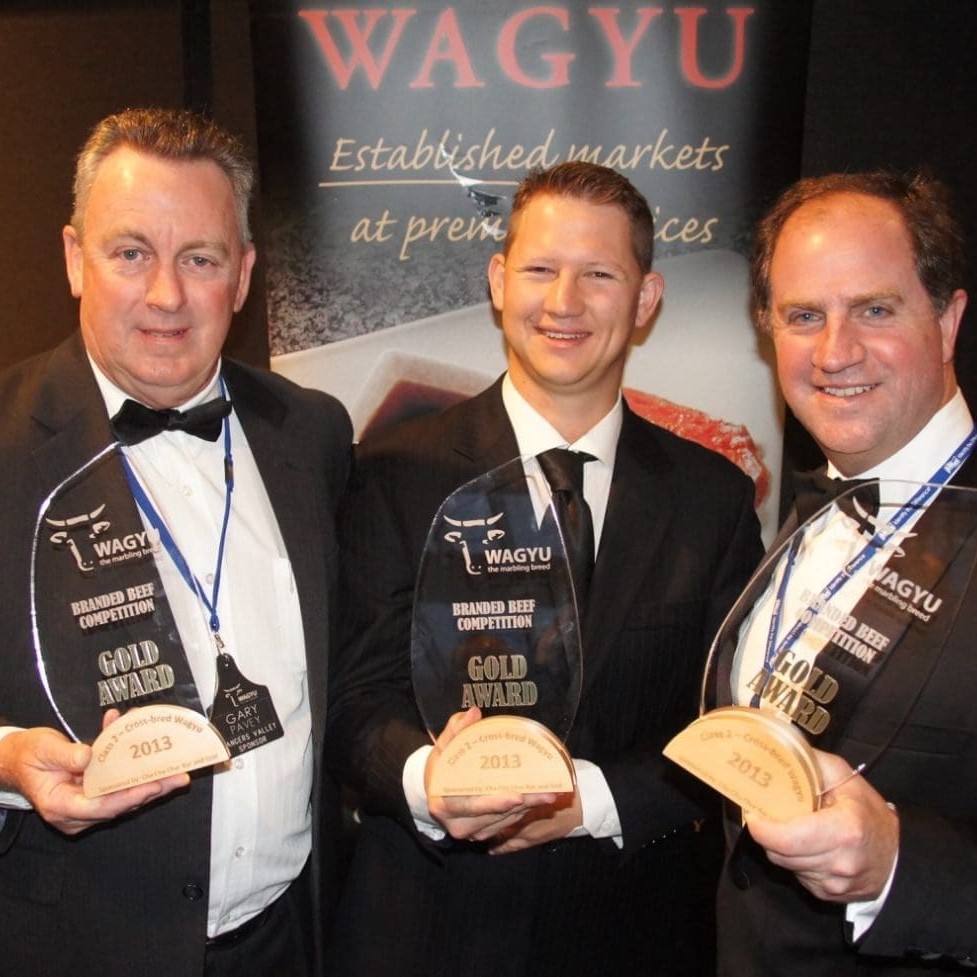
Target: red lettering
623,50
689,18
360,54
447,45
559,75
365,39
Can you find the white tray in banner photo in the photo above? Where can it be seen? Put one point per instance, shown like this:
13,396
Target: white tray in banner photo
403,385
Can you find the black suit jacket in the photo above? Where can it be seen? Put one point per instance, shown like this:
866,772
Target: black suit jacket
130,898
679,539
769,925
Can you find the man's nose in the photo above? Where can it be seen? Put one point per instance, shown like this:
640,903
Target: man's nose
563,295
164,289
839,345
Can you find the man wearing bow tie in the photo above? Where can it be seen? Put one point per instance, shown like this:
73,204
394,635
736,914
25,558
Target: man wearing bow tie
613,877
857,279
238,474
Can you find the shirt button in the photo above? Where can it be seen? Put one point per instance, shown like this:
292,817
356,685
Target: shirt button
187,491
239,764
239,851
210,578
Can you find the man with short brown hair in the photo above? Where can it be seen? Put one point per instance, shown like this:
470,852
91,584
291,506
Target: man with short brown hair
613,877
857,279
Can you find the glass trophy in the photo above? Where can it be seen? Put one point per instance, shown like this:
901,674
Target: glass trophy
495,625
104,635
853,598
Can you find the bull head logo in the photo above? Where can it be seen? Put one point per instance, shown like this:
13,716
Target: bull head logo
88,523
462,533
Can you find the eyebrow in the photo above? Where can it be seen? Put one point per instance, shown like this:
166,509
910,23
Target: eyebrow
883,296
201,244
217,246
866,298
539,258
124,232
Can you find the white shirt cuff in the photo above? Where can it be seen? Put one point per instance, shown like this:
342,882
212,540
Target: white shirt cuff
599,812
861,915
413,781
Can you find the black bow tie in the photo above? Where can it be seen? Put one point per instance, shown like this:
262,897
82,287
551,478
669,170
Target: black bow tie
814,490
136,422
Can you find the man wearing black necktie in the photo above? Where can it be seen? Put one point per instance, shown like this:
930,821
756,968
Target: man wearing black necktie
227,870
857,279
613,878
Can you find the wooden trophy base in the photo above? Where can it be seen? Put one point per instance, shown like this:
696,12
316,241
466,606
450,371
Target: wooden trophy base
758,761
149,743
503,755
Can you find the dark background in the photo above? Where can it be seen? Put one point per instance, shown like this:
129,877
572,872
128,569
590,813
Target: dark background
65,64
890,83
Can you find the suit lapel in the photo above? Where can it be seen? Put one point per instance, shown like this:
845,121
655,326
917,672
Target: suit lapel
70,410
642,496
295,499
485,438
919,655
754,588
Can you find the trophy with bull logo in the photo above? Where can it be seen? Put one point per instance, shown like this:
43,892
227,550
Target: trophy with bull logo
855,607
495,625
105,638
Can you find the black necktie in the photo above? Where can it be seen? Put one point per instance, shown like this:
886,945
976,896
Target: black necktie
814,490
564,471
136,422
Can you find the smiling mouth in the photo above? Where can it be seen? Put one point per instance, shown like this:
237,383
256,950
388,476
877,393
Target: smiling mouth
165,333
853,391
560,335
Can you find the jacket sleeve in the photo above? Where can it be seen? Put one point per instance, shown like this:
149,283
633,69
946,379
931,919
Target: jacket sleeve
930,911
374,724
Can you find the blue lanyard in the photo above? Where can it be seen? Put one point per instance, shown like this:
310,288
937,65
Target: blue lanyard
923,495
166,538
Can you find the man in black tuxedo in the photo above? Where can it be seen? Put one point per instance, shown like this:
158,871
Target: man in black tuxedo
857,278
224,871
614,877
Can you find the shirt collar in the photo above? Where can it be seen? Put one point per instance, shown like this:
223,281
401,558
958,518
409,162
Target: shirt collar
534,434
114,396
918,460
